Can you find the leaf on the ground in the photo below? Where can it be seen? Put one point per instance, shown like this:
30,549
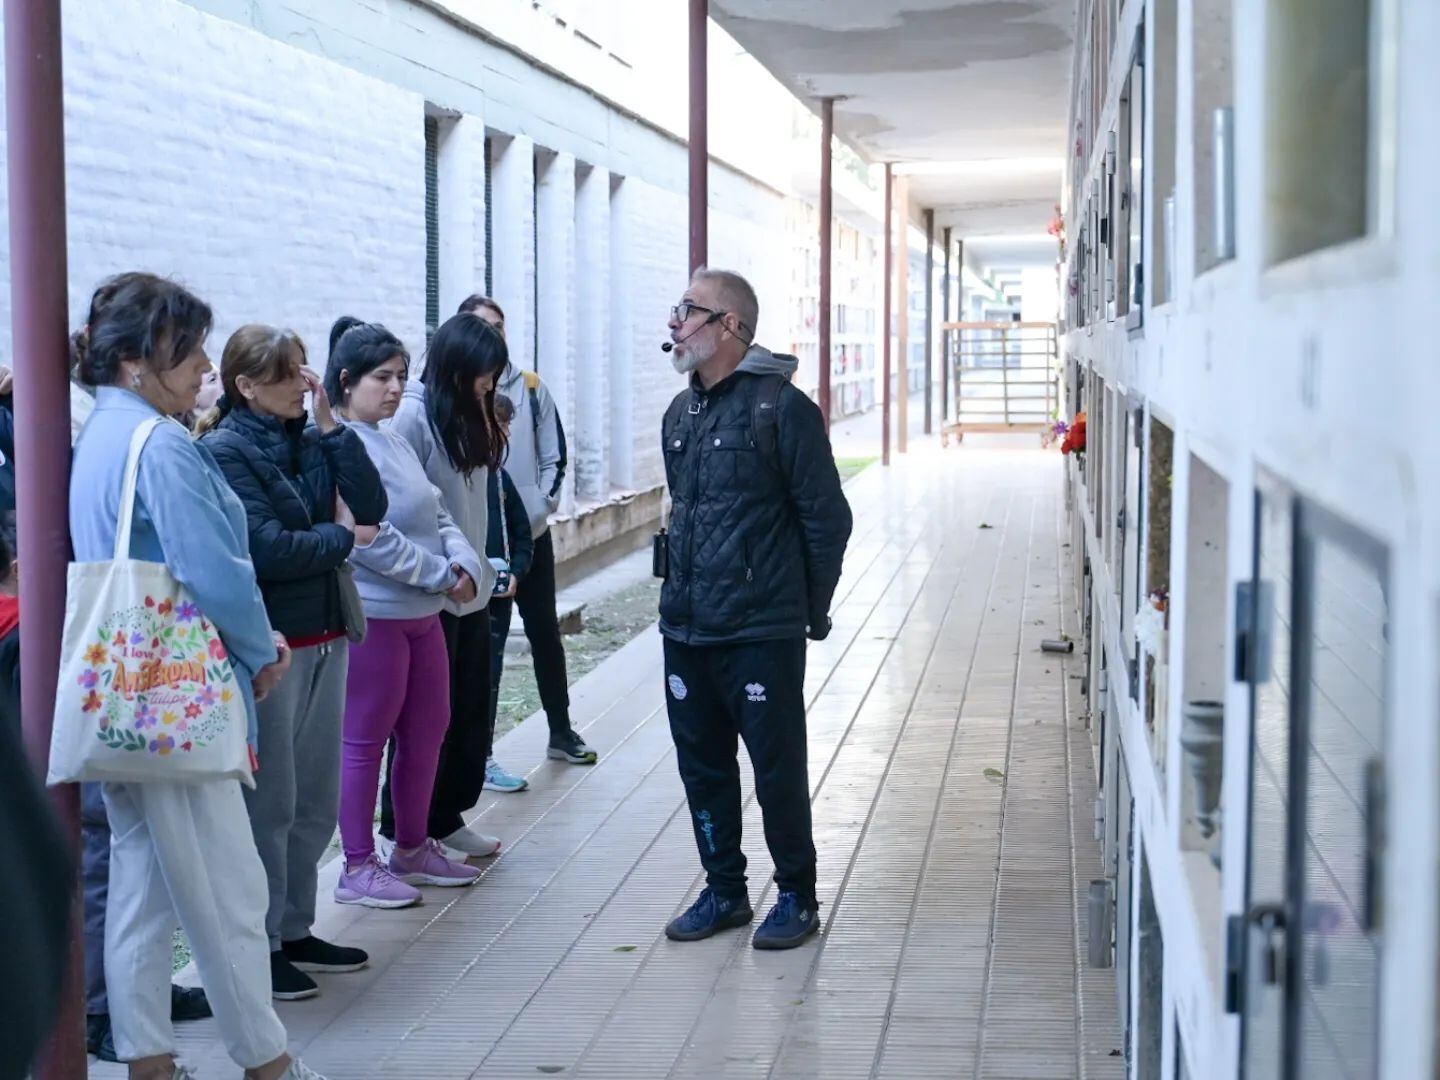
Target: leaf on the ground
798,1001
986,525
550,1068
1114,1053
994,774
624,948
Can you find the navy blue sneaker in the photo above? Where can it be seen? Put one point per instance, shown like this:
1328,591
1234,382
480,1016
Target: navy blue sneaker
789,923
710,914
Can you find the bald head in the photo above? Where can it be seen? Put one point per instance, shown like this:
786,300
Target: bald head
731,292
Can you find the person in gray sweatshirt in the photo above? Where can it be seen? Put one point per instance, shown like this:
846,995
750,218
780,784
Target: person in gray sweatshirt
536,463
448,418
405,570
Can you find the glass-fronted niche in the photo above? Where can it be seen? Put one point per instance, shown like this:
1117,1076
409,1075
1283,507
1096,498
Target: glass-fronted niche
1317,656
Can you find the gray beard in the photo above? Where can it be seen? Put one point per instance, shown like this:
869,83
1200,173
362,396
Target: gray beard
685,363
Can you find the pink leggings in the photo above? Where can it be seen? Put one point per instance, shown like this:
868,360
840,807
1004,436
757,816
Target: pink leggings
399,684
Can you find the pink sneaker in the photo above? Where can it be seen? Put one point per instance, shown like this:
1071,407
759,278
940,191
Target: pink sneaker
371,885
429,866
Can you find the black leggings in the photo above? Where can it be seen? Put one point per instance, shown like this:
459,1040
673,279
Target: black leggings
536,601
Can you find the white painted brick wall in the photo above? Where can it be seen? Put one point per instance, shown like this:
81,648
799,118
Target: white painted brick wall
461,189
512,232
555,283
286,185
281,187
659,268
592,360
621,369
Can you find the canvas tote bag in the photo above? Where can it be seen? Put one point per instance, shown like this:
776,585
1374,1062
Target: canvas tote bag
147,691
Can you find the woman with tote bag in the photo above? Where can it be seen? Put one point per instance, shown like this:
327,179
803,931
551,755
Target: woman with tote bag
181,837
305,488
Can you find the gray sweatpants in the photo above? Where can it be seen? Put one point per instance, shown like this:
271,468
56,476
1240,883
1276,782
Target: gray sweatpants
296,799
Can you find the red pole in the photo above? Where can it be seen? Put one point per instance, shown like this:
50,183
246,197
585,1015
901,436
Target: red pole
35,121
699,135
827,214
885,315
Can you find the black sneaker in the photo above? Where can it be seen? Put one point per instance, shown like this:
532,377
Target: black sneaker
99,1038
189,1003
789,923
710,914
289,983
568,746
312,954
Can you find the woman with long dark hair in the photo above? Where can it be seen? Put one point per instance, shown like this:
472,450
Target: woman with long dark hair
448,417
406,571
535,460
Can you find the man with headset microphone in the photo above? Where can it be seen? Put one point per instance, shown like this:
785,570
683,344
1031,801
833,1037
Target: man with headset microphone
750,562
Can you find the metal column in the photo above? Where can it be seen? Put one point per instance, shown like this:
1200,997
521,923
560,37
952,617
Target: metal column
827,214
929,317
699,135
885,312
35,136
902,321
960,317
945,336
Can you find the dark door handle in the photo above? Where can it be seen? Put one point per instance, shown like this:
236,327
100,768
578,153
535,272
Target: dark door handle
1268,923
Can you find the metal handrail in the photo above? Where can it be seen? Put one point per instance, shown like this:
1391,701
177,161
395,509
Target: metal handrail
1006,376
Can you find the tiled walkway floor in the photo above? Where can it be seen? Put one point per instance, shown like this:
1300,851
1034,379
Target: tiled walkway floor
953,797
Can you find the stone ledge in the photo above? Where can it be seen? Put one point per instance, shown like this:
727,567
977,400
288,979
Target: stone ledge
594,536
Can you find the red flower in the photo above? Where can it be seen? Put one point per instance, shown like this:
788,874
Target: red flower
192,711
217,649
166,607
93,702
149,601
187,745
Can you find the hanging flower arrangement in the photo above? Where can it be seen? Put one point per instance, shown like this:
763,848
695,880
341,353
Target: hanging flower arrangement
1074,442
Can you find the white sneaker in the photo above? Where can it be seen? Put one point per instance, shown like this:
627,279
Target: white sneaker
470,844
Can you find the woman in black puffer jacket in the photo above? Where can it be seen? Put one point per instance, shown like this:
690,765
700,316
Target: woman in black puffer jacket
304,489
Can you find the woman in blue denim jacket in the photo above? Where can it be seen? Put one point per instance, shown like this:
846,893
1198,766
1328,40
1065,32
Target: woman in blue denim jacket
178,849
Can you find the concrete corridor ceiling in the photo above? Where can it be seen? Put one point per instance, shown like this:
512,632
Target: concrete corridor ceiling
969,98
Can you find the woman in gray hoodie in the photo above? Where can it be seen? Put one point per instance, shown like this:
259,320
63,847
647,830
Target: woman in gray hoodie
448,418
405,570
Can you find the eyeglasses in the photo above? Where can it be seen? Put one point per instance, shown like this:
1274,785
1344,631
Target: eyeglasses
682,311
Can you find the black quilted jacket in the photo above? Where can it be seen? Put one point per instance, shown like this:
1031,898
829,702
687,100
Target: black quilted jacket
287,476
756,540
